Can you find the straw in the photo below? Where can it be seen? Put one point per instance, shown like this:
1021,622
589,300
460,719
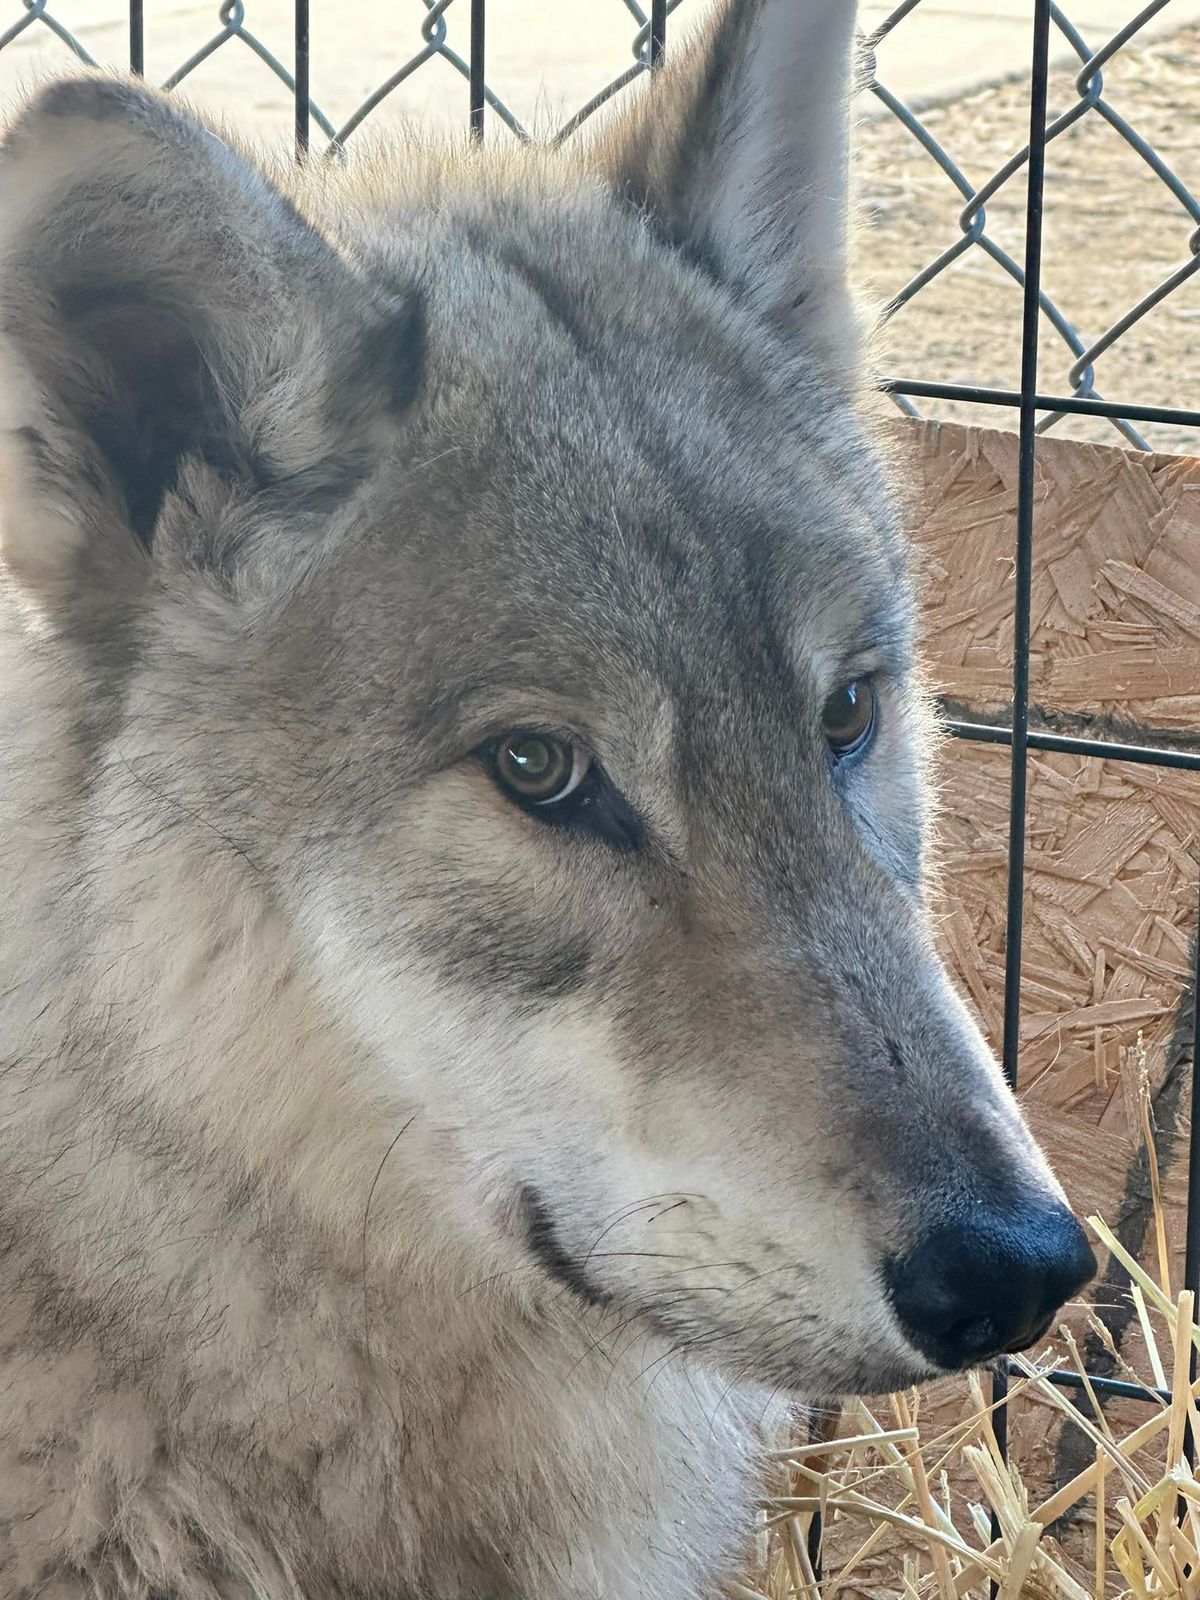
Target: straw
889,1534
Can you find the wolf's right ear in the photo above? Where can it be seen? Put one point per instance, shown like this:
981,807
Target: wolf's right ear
160,302
739,154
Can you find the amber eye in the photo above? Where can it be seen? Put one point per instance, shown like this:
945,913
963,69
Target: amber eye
848,719
538,767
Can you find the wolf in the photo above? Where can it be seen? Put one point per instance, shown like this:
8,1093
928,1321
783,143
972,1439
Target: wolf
473,1045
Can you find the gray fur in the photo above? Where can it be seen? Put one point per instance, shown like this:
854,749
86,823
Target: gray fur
401,1197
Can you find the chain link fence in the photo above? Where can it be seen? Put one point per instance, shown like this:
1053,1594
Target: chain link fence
1075,352
448,39
415,43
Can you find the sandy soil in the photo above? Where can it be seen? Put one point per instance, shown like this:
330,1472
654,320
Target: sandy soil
1112,232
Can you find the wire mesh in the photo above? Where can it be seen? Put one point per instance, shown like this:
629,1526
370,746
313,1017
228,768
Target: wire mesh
1083,351
429,37
436,28
430,31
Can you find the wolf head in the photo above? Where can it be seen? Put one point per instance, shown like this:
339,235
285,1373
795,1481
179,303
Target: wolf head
479,573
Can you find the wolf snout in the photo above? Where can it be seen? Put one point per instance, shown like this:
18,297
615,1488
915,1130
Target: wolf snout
990,1284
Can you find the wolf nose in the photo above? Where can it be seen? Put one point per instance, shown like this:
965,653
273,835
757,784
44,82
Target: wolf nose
989,1285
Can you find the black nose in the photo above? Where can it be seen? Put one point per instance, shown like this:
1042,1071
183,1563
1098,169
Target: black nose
990,1284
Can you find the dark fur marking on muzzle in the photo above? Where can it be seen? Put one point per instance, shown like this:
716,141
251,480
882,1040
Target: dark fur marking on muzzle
545,1244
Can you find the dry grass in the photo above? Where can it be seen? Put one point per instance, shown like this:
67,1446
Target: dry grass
909,1510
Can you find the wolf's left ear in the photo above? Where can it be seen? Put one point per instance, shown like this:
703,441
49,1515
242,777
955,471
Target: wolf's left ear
739,156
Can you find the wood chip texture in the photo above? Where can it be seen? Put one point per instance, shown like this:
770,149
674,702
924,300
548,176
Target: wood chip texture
1111,860
1112,886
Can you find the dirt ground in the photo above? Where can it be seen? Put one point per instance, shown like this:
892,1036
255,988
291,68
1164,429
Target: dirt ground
1112,231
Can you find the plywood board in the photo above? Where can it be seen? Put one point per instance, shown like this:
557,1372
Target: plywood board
1112,883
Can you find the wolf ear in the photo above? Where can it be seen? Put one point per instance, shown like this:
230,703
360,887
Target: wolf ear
160,303
739,156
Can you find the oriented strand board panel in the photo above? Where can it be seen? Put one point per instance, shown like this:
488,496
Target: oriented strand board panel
1111,899
1116,585
1112,887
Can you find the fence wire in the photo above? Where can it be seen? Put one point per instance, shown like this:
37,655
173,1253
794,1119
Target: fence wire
452,31
1084,350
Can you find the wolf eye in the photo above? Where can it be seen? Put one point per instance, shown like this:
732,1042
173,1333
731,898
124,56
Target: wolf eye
562,784
539,768
848,718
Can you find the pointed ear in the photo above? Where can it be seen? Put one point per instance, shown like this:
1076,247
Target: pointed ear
161,304
739,156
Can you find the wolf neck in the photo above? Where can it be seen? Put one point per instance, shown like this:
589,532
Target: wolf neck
221,1321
